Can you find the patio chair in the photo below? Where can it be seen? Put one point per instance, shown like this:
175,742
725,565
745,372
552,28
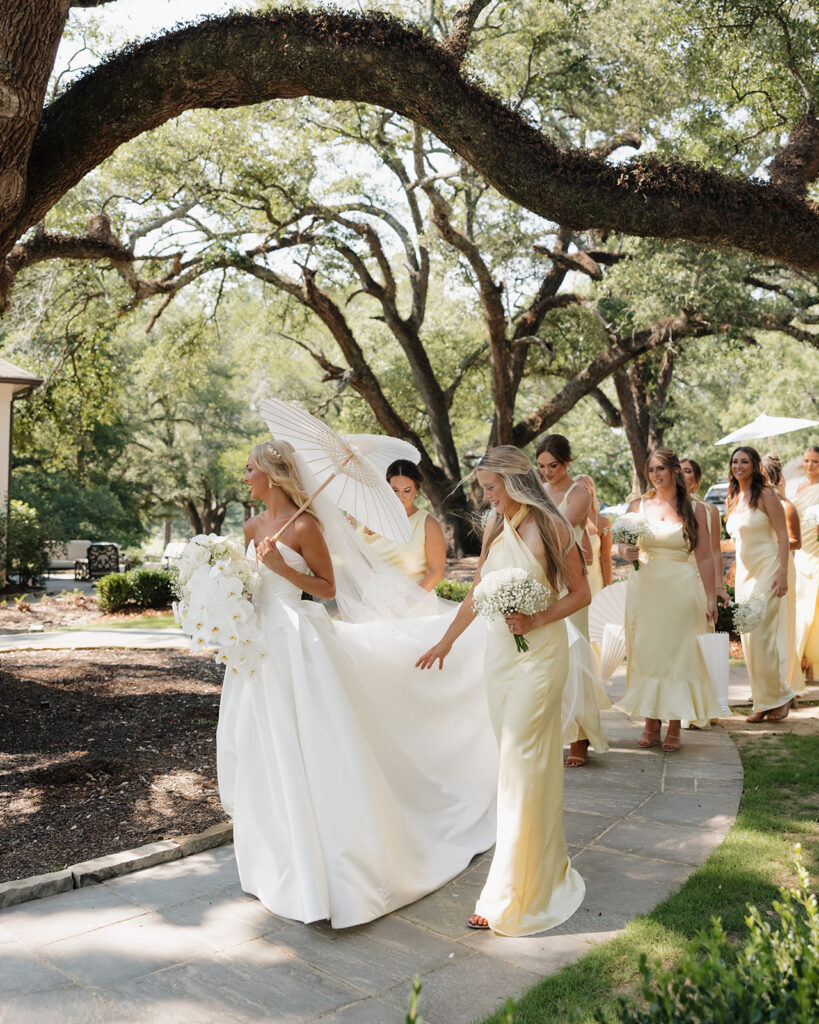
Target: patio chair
102,559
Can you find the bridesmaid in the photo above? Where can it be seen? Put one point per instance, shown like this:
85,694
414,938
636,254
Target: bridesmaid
531,885
756,521
692,475
598,528
423,557
574,500
667,608
806,561
772,471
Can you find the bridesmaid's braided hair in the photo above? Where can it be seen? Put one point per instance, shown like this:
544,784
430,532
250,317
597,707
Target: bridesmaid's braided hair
523,485
758,482
685,507
275,459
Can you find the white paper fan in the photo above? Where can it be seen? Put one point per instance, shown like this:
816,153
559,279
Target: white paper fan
715,652
608,607
613,650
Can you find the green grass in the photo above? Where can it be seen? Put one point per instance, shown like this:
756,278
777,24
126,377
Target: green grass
779,808
140,622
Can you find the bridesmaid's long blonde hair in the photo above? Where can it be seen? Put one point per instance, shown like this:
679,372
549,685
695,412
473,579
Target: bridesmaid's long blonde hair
523,485
275,460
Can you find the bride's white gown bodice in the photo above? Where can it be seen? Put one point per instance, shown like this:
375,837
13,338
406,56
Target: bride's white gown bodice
356,782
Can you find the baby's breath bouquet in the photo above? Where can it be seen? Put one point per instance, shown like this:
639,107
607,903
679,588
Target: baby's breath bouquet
747,615
214,585
510,592
628,529
810,520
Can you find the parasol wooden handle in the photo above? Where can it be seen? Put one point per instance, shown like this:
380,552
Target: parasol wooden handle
315,494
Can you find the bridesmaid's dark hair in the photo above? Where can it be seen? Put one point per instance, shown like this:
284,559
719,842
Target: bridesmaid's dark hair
557,445
758,482
772,468
696,467
403,467
685,507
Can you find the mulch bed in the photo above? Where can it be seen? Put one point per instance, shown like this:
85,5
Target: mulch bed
103,750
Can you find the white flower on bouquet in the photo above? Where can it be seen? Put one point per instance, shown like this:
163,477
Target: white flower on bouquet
510,592
628,529
747,615
214,585
810,520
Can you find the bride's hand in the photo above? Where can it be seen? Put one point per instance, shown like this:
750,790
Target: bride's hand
436,653
269,554
780,583
519,624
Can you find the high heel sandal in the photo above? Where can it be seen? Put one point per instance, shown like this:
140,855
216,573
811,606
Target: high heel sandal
758,716
671,744
654,735
784,711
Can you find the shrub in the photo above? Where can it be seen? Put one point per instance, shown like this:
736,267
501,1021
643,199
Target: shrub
138,588
773,977
725,613
26,556
452,590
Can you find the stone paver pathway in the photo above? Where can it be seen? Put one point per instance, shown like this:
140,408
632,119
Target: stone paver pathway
182,942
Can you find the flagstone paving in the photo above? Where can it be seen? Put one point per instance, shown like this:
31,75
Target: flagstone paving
182,942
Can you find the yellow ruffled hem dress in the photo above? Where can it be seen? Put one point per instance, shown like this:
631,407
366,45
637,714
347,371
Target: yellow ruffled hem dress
806,591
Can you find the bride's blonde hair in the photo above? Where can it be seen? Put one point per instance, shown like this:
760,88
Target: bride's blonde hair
523,485
275,460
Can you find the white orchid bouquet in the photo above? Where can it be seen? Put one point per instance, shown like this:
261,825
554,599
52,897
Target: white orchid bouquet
214,585
747,615
810,520
510,592
628,529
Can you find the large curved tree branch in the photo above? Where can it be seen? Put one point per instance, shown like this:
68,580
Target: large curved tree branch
239,60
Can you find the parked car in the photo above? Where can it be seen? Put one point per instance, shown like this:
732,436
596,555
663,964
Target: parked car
172,553
716,495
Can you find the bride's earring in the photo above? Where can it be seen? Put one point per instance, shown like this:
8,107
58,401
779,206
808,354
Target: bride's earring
269,484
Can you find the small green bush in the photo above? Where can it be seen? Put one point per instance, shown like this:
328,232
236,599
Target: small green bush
774,977
452,590
138,588
26,556
725,613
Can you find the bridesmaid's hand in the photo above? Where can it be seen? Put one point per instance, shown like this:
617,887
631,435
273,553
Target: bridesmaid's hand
629,552
267,552
436,653
520,624
722,596
711,614
780,583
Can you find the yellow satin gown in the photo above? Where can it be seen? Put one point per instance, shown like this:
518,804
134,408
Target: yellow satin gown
531,884
666,610
806,561
586,725
767,650
410,557
596,584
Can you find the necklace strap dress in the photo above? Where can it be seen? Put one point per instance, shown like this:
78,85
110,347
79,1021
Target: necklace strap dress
806,562
666,611
768,649
531,884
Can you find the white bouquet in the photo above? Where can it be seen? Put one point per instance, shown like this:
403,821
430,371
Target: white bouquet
214,585
747,615
628,529
510,592
810,520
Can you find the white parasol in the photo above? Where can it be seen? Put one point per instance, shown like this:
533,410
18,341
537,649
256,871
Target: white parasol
613,650
608,607
349,469
715,651
766,426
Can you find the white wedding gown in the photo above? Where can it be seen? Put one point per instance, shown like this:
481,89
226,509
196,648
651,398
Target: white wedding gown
356,782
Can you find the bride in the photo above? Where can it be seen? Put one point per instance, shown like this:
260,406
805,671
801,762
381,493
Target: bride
356,783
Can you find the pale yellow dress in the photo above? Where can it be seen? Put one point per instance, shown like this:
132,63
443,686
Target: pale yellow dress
666,611
586,724
410,557
767,654
531,884
806,590
596,584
